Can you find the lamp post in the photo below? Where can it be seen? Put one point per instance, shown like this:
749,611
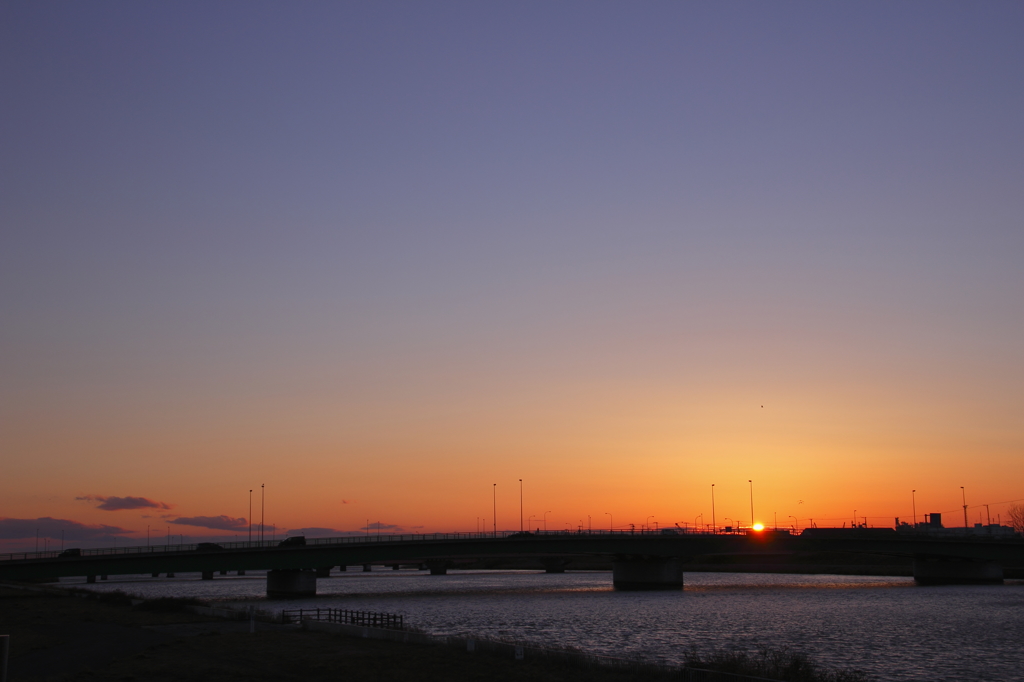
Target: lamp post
262,510
913,502
250,518
611,522
648,521
751,482
964,496
714,527
698,516
494,501
796,521
520,505
546,520
529,521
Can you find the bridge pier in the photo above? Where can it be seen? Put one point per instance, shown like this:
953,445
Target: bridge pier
155,575
950,571
552,565
240,572
294,582
647,573
223,572
323,572
207,575
90,578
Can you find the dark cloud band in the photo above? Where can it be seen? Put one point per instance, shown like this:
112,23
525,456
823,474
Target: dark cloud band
215,522
120,503
46,527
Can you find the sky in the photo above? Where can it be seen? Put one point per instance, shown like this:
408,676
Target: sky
379,257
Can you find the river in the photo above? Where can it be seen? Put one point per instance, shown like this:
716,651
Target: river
887,627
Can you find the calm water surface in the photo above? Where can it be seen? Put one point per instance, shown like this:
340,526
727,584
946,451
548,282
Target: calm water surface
887,627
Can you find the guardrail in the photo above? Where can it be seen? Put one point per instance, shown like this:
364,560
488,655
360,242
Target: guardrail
946,533
371,619
362,539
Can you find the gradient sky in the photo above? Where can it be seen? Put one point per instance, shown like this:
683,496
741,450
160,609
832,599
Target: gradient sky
379,256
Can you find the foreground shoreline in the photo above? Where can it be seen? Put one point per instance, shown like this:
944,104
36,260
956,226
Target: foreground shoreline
57,636
76,635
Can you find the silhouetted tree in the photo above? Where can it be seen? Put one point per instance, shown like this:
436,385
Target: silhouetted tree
1016,514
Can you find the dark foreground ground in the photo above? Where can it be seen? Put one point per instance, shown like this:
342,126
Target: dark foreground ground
60,637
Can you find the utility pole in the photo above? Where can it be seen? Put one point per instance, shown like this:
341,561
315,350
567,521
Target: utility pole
262,509
520,505
494,501
250,520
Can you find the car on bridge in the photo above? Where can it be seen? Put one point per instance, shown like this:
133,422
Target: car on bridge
209,547
294,541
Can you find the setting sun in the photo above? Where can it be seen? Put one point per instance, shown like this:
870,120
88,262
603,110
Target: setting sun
758,526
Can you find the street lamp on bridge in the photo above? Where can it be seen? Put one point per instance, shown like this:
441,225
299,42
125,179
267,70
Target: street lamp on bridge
713,525
520,505
751,482
546,520
611,522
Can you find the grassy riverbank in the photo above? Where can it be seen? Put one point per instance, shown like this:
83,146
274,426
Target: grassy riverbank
59,635
63,637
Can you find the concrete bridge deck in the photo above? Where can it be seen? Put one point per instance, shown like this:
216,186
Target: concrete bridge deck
640,559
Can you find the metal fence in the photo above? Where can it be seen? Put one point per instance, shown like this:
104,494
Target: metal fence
371,619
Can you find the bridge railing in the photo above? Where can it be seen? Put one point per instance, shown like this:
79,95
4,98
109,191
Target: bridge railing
372,538
362,538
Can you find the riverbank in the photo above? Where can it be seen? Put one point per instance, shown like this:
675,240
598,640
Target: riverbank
58,636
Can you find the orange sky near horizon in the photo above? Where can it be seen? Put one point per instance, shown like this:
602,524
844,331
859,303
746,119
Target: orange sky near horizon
581,449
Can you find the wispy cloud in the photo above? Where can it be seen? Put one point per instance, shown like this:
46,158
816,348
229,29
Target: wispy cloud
377,525
120,503
216,522
47,527
316,531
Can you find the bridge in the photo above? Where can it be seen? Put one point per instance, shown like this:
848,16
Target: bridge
640,560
